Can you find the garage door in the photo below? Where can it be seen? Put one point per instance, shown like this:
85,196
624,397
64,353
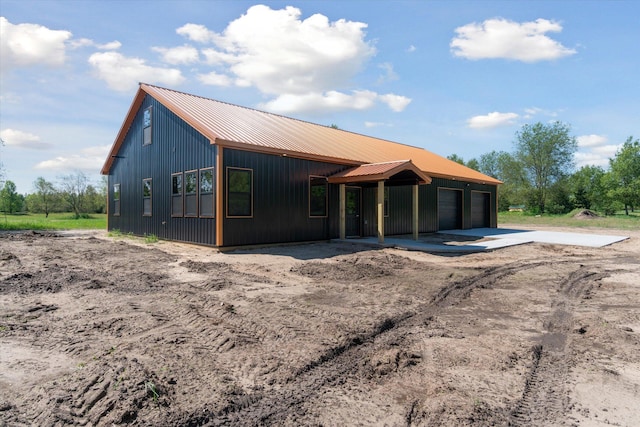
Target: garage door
449,209
480,210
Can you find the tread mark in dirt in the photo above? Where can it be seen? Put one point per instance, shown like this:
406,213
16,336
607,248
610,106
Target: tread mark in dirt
340,362
544,398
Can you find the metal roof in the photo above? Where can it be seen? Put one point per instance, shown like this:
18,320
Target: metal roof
379,171
244,128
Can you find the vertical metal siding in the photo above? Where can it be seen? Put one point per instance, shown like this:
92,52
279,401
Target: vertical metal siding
175,147
399,220
280,200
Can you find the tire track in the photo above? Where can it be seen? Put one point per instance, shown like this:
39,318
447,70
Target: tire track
544,400
339,363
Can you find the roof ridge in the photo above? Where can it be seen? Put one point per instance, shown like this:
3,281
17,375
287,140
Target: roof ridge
281,116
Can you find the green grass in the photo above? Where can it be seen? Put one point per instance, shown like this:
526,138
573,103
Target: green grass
618,221
56,221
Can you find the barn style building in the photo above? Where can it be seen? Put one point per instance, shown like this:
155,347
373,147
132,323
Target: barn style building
192,169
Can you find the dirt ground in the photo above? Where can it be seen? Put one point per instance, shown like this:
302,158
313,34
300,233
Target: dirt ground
104,331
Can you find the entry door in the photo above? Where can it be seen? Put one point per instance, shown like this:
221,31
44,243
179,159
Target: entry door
352,225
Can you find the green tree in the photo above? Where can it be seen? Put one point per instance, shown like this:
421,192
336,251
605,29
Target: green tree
473,164
73,190
455,158
10,200
545,152
625,175
586,187
503,166
45,197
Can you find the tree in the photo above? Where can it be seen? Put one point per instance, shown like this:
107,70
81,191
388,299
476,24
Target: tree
625,175
473,164
545,152
586,188
10,200
74,188
503,166
455,158
46,197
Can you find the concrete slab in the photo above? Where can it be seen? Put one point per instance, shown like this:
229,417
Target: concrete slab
553,237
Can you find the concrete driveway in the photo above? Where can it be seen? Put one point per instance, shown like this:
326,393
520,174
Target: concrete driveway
526,236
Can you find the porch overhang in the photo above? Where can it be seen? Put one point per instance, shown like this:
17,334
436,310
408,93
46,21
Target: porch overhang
399,170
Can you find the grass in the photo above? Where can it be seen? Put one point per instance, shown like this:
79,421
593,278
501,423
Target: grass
55,221
618,221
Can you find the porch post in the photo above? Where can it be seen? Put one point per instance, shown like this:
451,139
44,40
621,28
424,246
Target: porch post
343,209
380,211
415,212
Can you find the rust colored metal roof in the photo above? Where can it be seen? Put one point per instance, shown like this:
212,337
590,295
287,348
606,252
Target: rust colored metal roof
244,128
378,171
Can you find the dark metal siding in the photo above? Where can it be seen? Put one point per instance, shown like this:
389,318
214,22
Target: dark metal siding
280,200
400,217
175,147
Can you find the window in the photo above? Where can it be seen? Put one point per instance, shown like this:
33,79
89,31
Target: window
206,193
239,192
317,196
191,193
146,127
176,194
116,199
146,197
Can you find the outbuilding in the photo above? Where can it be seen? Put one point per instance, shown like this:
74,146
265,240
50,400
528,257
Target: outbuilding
193,169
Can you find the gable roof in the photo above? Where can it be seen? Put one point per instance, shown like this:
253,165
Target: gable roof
371,172
244,128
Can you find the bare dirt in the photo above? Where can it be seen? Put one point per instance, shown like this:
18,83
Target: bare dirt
102,331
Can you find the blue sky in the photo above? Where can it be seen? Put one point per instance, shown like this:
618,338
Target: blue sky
454,77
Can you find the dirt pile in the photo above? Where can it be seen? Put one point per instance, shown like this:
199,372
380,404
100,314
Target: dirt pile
586,214
97,331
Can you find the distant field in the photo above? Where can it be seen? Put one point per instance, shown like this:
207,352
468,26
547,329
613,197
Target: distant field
619,221
56,221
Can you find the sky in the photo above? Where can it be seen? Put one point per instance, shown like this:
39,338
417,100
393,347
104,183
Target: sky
454,77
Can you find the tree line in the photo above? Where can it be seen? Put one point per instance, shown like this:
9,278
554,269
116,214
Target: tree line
540,177
73,193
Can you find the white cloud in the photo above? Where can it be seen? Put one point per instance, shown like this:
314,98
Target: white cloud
591,140
124,73
78,43
321,102
534,111
304,64
24,45
215,79
375,124
411,49
501,38
594,150
396,102
178,55
20,139
389,73
89,159
197,33
492,120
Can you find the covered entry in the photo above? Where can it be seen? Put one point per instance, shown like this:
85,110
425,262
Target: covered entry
449,209
401,172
